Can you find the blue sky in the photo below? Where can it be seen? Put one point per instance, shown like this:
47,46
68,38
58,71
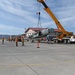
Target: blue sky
16,15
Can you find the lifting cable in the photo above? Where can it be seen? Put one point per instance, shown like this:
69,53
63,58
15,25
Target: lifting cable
39,18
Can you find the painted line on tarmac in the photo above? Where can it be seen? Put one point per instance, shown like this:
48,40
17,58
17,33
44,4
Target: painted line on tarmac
69,60
37,64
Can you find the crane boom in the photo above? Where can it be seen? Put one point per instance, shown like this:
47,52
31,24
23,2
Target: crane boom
63,33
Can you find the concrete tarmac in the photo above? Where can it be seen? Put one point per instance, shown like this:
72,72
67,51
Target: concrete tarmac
49,59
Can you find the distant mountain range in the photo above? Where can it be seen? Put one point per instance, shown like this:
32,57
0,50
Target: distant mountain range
5,36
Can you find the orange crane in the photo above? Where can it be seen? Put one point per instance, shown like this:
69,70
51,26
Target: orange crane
63,32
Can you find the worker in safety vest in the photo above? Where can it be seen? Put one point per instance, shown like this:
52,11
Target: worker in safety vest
22,40
2,40
16,40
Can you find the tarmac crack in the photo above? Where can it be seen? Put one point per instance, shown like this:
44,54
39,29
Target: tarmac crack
33,70
28,66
